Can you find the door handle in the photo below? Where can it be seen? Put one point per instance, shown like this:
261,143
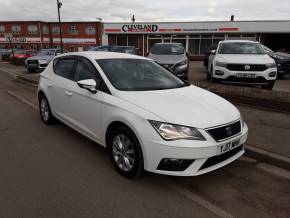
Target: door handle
68,93
49,85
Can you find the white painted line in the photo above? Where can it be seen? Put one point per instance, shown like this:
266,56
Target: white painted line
201,201
274,170
25,101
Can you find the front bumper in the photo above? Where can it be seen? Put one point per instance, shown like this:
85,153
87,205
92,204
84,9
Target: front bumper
198,151
262,77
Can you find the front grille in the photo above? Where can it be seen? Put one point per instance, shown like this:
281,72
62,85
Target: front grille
43,65
220,158
243,67
224,132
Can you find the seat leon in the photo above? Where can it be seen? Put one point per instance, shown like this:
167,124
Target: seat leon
146,117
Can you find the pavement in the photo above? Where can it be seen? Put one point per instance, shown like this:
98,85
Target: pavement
52,171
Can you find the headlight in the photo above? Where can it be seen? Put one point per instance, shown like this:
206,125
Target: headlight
278,57
170,131
271,65
220,64
182,63
43,61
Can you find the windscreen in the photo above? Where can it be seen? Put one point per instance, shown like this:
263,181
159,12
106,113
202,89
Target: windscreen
167,49
138,75
241,48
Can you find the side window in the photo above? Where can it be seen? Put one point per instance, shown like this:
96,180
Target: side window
64,67
85,70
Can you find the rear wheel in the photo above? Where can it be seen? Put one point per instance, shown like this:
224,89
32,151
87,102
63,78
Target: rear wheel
125,152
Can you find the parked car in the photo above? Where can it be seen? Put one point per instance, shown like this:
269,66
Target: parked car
124,49
282,60
19,56
5,53
41,59
144,115
171,56
208,53
101,48
242,62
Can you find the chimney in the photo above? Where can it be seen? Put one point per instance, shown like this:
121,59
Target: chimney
232,18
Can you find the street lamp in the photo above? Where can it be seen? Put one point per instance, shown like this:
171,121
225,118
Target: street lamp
59,4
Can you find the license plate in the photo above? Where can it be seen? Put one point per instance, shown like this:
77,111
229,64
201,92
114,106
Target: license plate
33,65
246,75
228,146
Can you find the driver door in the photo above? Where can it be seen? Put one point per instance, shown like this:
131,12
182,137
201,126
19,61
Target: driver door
85,107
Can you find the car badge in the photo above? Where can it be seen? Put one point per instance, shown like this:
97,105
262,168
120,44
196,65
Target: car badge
229,131
247,67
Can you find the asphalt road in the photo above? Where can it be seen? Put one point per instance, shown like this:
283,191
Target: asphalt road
52,171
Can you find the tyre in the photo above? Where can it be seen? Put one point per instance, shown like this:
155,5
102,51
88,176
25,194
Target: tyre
31,70
45,111
125,152
209,74
268,86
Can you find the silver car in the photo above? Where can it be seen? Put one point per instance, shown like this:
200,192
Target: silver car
42,59
171,56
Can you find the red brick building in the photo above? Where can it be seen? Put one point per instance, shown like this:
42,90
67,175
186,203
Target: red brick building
35,35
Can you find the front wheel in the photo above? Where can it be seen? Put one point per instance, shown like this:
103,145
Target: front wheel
269,86
125,152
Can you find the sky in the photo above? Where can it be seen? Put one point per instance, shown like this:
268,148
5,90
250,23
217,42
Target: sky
145,10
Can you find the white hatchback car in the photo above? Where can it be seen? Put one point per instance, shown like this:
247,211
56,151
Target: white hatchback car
242,61
144,115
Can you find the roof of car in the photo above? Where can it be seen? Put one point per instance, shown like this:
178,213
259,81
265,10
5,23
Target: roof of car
103,55
231,40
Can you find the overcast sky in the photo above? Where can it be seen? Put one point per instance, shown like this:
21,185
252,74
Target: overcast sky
145,10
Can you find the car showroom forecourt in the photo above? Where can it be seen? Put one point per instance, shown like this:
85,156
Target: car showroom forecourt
124,112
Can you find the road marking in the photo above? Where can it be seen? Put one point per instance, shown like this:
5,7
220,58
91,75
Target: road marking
14,75
201,201
25,101
274,170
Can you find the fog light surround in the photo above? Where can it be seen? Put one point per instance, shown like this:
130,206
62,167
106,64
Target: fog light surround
219,73
173,164
272,74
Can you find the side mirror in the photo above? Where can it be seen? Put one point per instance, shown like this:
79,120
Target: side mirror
213,52
89,84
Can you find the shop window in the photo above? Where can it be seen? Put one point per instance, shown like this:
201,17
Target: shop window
205,45
178,36
2,46
16,29
47,46
17,46
90,30
45,29
154,36
34,47
234,36
32,29
72,30
196,36
251,37
55,30
122,40
193,46
2,29
133,41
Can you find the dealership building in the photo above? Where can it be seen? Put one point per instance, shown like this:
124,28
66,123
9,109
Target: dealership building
34,35
196,37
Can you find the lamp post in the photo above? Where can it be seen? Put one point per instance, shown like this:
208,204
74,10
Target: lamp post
59,4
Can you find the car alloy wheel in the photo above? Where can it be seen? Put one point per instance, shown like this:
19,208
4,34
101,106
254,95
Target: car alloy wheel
44,109
123,152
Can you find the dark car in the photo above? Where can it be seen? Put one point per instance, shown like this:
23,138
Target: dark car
101,48
282,60
207,54
124,49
